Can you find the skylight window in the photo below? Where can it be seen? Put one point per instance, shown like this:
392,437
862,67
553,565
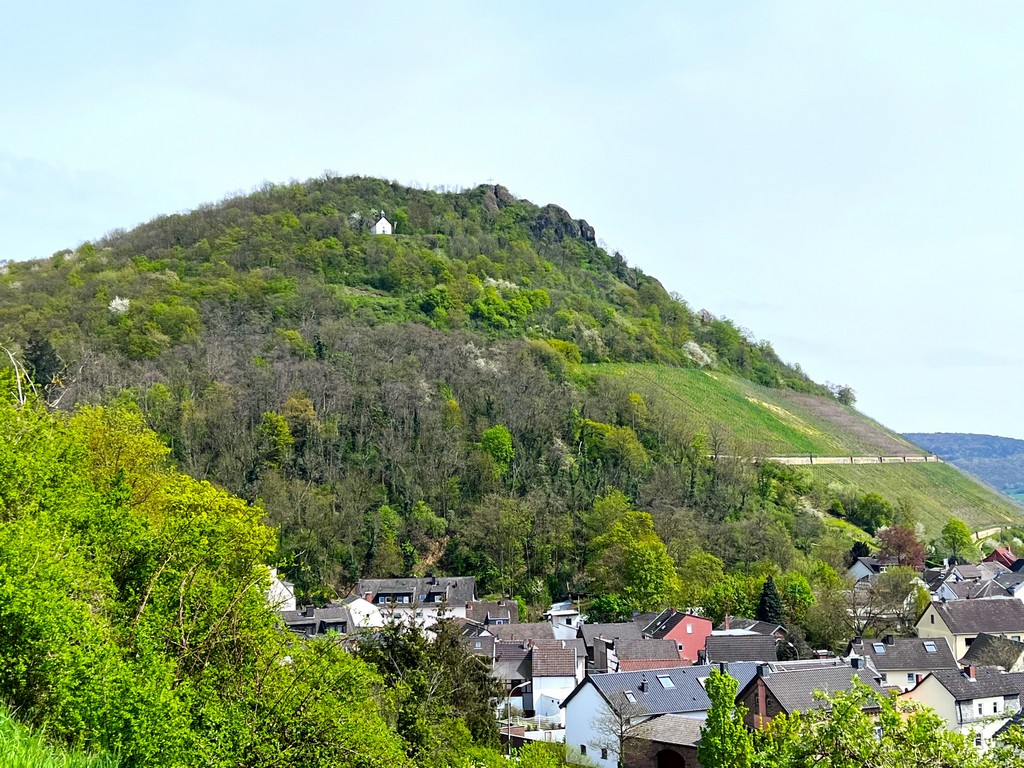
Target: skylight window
630,697
879,647
666,681
929,646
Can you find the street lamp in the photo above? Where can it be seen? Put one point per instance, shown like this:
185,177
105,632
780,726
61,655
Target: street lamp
508,715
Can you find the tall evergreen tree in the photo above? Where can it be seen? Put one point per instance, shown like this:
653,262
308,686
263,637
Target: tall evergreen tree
769,607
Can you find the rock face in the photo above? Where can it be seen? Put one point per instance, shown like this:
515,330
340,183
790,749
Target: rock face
562,225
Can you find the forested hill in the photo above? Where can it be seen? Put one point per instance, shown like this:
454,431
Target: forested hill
289,257
465,396
998,461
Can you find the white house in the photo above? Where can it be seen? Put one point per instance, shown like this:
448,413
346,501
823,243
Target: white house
565,619
606,708
960,621
902,662
382,227
977,700
420,601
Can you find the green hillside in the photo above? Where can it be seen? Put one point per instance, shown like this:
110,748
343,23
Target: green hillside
752,420
488,392
759,421
934,491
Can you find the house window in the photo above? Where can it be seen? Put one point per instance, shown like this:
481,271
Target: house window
995,707
929,646
884,677
879,647
477,644
977,740
932,618
666,681
910,678
689,629
981,708
381,599
604,753
630,697
568,622
583,749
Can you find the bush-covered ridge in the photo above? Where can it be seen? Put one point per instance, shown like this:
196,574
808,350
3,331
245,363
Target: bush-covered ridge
480,260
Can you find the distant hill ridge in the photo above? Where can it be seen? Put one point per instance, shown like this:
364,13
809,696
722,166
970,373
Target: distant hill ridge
997,461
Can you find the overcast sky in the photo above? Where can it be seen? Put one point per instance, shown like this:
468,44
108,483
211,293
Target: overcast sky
844,180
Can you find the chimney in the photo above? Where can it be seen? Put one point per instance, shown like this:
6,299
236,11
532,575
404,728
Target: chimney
308,610
643,684
971,671
727,622
368,597
723,667
763,670
858,639
889,640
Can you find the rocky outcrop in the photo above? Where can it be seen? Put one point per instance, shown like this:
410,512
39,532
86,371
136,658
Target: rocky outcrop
558,221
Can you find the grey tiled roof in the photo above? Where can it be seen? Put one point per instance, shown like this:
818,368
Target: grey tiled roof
632,650
489,611
987,682
740,648
621,631
906,654
540,630
679,730
795,689
456,590
661,624
996,615
993,651
973,589
687,695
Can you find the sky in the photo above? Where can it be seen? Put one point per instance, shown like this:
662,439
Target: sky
845,180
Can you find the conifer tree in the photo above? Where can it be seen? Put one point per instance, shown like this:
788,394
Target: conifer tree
769,608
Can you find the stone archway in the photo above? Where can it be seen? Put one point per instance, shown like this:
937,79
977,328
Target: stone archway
669,758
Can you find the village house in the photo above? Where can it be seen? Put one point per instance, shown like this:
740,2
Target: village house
666,741
280,593
1002,555
960,621
790,687
902,662
493,612
631,655
689,632
606,708
974,701
565,619
346,617
626,630
382,226
741,625
419,601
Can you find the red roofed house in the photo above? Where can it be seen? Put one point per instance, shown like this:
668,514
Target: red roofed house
1001,555
689,632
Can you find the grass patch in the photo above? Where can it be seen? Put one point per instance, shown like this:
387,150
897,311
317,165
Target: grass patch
21,748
